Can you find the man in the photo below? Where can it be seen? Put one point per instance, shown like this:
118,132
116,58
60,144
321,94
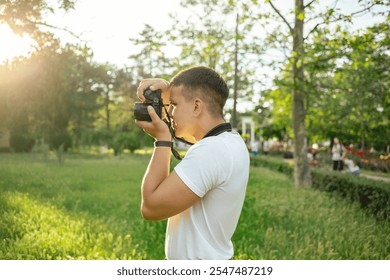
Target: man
203,197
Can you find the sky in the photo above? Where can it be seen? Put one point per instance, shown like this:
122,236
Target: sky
106,25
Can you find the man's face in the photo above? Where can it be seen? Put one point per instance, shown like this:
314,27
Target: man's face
181,111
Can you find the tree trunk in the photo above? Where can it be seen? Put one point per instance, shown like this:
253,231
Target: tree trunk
363,136
107,104
234,119
302,177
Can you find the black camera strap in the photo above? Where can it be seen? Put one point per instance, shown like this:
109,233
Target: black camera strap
224,127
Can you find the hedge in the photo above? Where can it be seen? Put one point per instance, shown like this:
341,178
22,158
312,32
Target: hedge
372,195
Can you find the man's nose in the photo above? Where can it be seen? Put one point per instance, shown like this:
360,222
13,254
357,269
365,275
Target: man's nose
170,109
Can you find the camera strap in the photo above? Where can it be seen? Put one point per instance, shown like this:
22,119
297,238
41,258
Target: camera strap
224,127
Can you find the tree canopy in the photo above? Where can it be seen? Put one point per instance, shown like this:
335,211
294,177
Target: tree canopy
60,94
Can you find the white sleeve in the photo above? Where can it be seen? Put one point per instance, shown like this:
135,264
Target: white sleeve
206,165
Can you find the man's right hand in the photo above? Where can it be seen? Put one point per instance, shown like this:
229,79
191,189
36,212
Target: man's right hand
154,84
156,128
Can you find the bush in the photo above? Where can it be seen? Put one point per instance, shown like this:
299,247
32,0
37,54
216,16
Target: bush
21,142
374,164
125,140
115,139
273,164
61,139
374,196
98,136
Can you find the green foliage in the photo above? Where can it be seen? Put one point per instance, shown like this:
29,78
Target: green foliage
374,196
85,209
118,140
89,209
93,137
44,93
273,164
20,142
28,16
282,222
347,85
125,140
61,139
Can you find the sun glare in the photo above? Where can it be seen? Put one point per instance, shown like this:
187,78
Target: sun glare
12,45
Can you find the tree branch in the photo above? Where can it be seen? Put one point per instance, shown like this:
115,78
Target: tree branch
309,4
282,17
340,17
57,28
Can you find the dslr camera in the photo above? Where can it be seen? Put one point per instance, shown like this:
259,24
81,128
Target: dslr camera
152,98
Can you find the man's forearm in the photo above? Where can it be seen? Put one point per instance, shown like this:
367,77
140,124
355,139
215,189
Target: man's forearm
155,174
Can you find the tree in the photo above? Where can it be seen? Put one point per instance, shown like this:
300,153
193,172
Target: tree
302,175
346,84
301,12
366,73
28,16
207,38
150,61
46,93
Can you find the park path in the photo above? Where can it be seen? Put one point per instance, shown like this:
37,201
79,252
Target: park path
380,178
370,176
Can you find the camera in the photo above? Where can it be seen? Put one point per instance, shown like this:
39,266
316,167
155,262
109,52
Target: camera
152,98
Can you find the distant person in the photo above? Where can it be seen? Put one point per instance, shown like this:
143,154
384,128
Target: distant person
266,147
338,151
314,150
352,168
203,196
255,147
311,157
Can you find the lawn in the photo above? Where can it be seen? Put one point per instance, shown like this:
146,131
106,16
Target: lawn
88,208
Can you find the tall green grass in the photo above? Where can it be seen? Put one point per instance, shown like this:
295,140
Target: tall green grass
88,208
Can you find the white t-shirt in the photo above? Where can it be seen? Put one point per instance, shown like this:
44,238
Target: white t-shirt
255,146
217,170
337,151
265,146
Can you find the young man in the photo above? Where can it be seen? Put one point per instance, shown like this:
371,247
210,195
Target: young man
203,197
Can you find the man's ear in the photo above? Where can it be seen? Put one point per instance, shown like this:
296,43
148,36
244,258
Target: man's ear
198,106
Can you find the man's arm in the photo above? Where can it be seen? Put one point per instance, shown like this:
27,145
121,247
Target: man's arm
163,195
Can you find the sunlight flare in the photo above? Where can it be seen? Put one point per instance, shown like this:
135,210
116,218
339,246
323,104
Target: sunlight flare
13,45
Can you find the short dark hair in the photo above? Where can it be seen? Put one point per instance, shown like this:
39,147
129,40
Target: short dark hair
207,83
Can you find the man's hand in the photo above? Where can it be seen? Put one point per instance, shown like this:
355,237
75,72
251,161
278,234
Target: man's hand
157,128
154,84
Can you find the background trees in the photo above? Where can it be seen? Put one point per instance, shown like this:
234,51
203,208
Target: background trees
334,78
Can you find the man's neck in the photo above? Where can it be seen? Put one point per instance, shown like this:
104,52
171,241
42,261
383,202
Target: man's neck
205,126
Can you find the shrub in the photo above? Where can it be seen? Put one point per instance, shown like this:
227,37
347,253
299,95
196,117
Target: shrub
98,136
125,140
20,142
273,164
62,139
374,196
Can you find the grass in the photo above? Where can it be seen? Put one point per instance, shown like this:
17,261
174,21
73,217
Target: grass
88,208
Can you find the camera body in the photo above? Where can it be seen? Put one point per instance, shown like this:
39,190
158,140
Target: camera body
152,98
